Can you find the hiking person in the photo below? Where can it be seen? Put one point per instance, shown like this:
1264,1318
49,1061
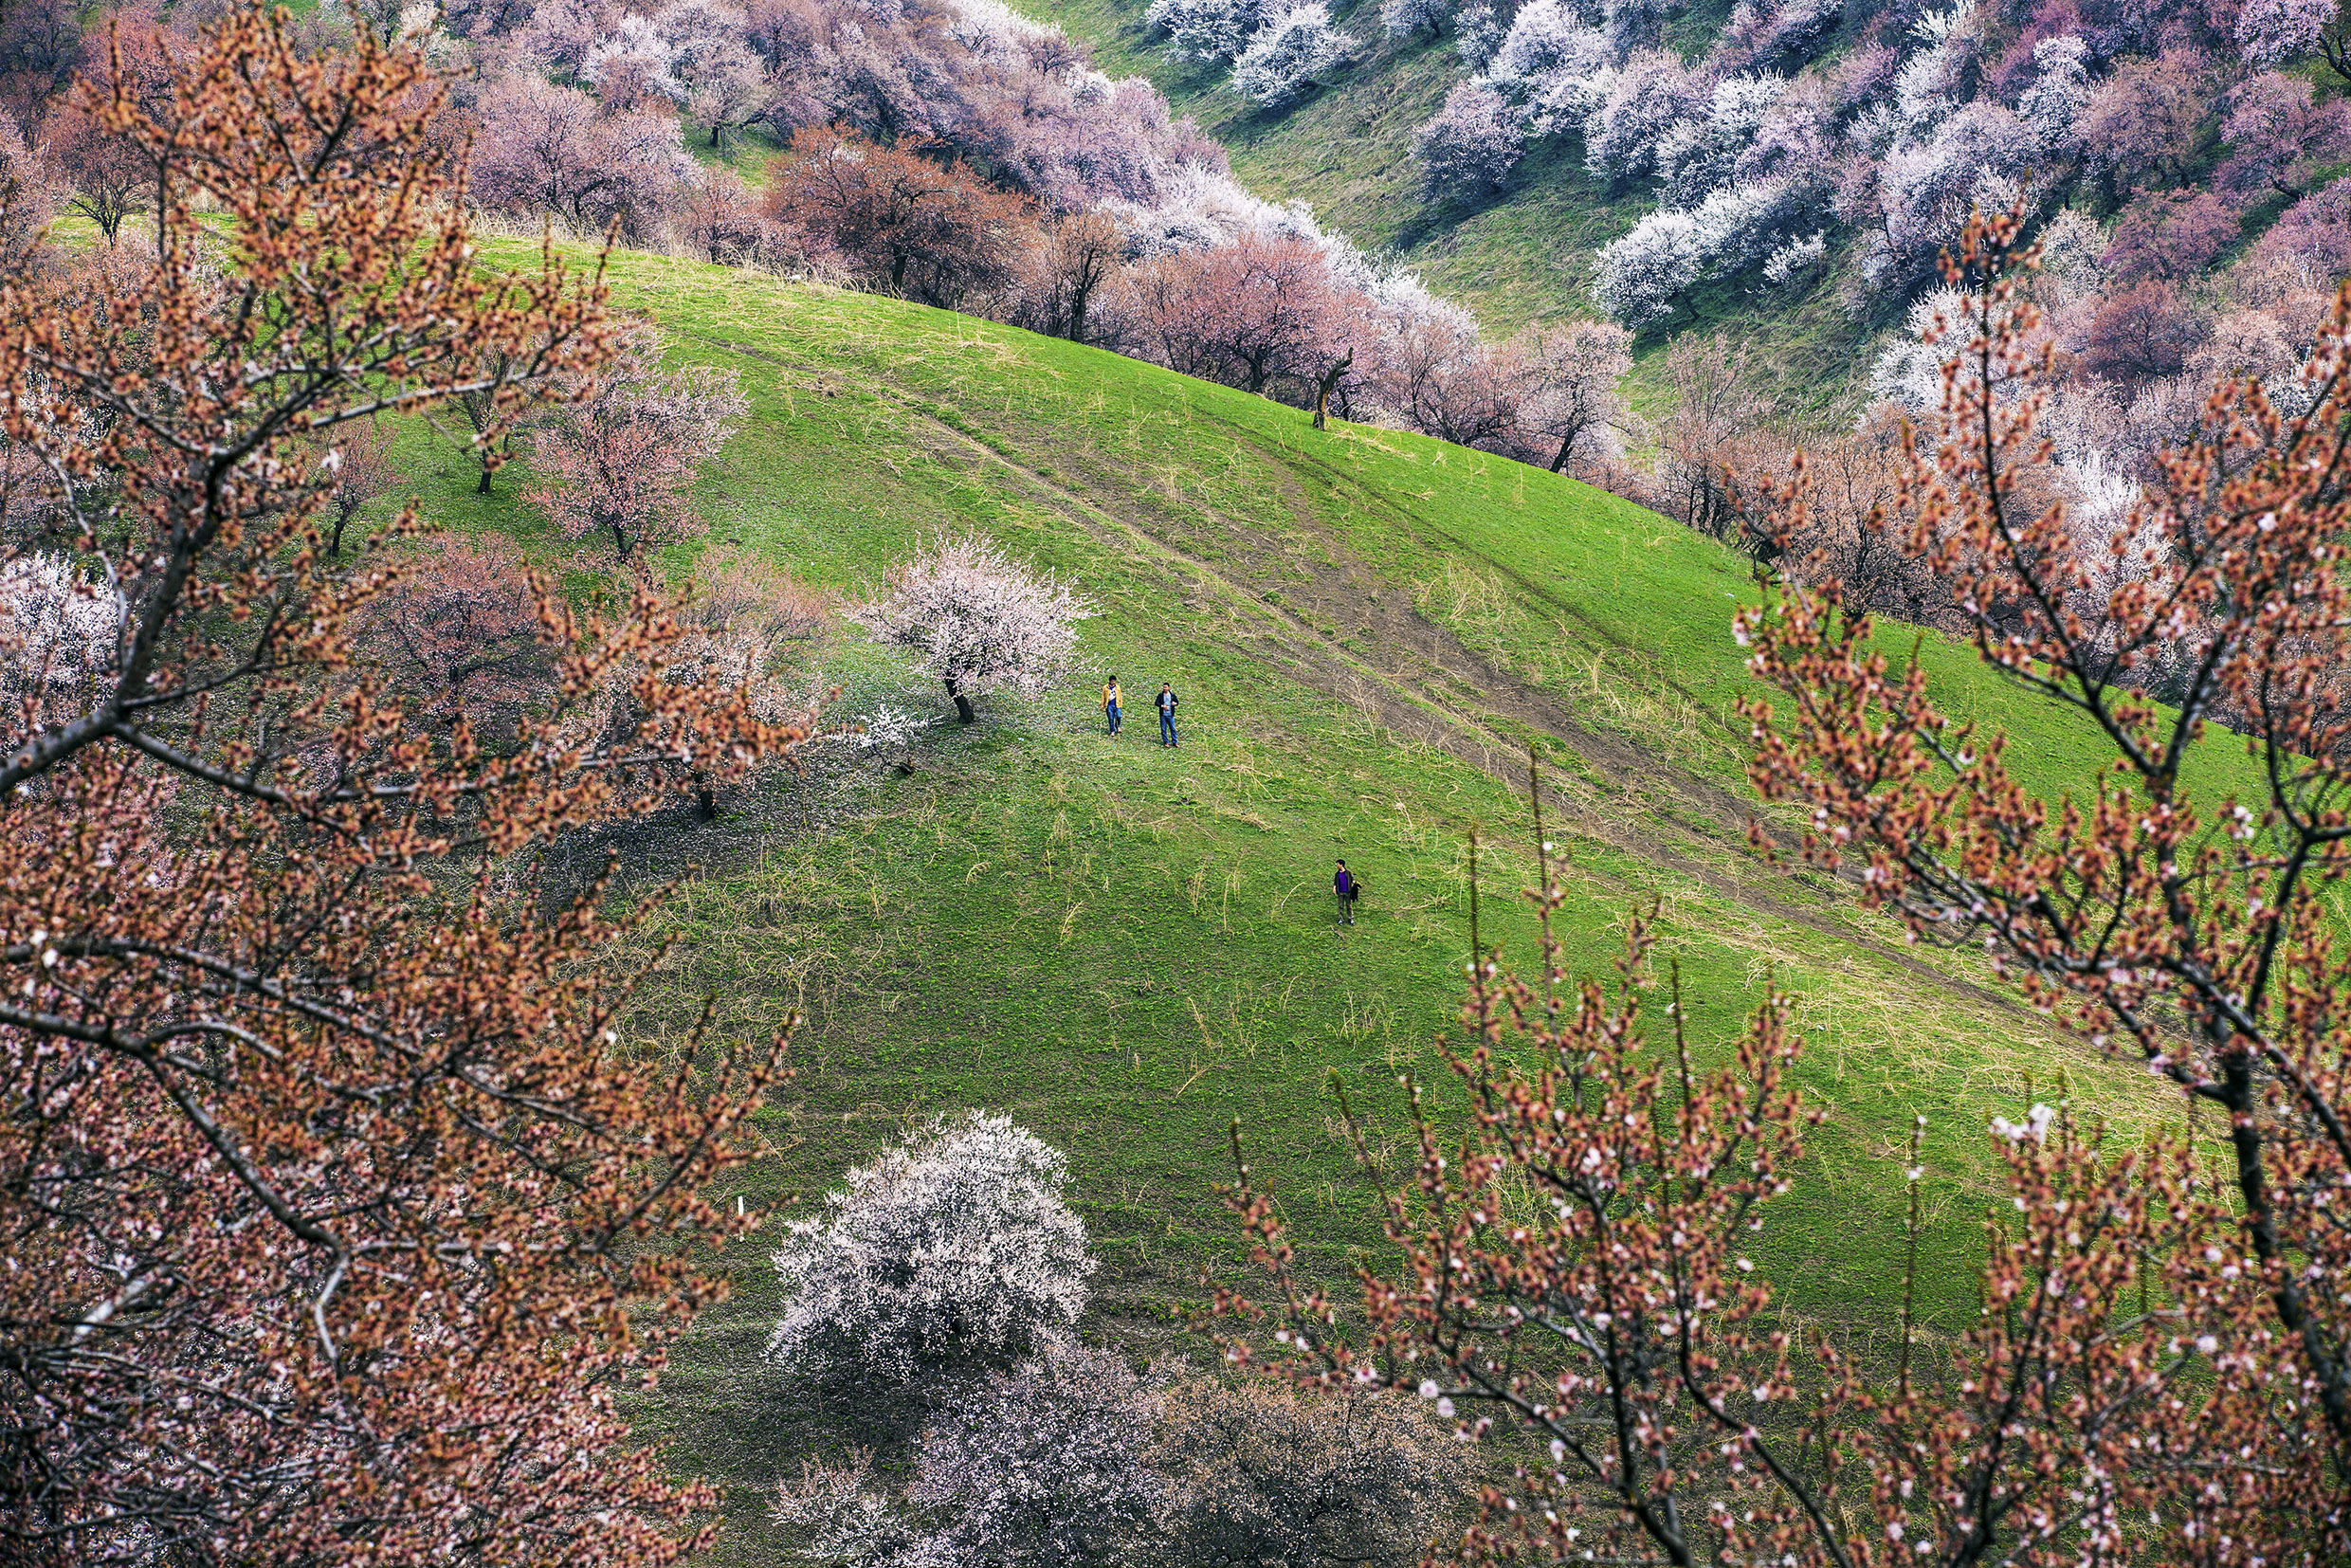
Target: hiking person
1345,885
1167,714
1110,703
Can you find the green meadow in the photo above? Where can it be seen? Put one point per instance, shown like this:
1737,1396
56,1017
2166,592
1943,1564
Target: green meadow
1132,948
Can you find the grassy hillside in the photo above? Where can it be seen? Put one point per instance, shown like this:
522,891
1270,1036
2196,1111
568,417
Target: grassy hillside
1525,255
1130,947
1348,151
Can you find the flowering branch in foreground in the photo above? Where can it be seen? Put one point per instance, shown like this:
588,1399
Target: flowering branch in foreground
1577,1280
332,1211
2183,927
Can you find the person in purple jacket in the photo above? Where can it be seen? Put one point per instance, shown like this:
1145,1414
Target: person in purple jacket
1345,885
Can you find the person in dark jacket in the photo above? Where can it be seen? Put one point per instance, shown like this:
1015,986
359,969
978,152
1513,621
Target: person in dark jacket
1345,885
1167,714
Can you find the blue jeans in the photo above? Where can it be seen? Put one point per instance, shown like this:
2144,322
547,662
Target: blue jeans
1167,728
1112,709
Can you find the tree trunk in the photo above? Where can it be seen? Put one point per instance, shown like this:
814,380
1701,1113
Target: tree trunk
342,520
1322,389
484,488
707,800
1567,445
963,705
714,135
1077,314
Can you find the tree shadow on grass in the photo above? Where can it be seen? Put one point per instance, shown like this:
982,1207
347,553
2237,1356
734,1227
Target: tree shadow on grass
727,1411
679,841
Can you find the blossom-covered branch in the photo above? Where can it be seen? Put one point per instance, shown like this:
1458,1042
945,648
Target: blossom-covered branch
333,1205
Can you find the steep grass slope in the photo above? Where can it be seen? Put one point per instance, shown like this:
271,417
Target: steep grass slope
1347,152
1130,947
1523,255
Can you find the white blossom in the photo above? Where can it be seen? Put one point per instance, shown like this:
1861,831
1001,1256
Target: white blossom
1401,18
2270,32
992,28
889,727
979,620
1974,160
1797,260
1477,33
839,1515
954,1251
1046,1466
1198,207
1698,153
1403,298
2061,87
1909,365
1645,96
636,42
1548,40
1205,29
1639,275
2034,1125
1290,56
1737,224
59,634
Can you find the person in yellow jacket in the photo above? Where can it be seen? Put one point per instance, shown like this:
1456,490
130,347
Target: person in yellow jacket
1110,703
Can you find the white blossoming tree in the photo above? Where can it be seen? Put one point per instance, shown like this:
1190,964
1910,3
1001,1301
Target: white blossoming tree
1047,1467
1071,1460
1469,146
1638,275
844,1516
1478,31
1205,29
979,620
1292,55
1402,18
1276,1478
950,1254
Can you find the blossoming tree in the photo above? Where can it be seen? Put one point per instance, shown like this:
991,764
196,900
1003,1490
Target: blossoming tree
951,1254
979,620
619,460
324,1188
2155,1374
